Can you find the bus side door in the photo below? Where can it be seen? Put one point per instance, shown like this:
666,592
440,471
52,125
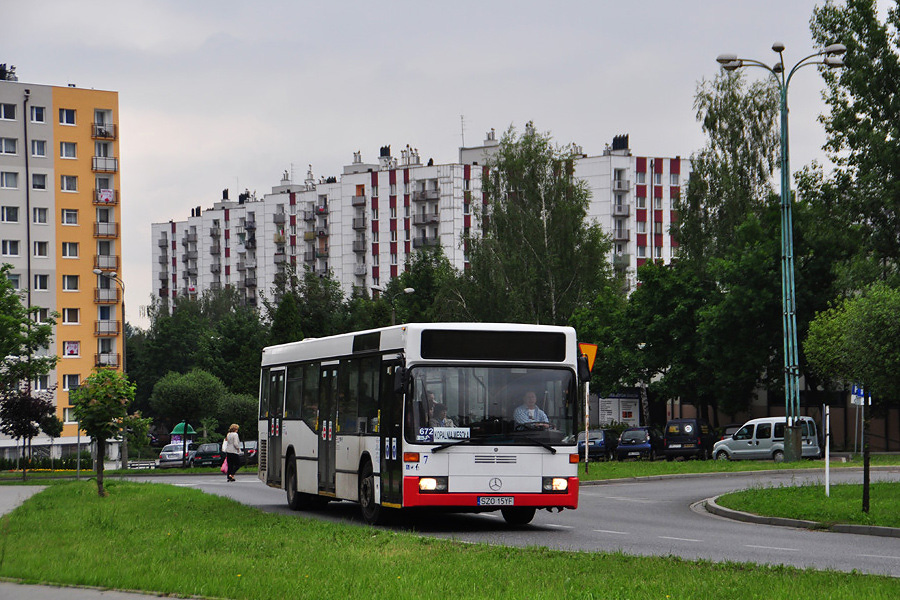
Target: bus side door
275,399
391,436
328,419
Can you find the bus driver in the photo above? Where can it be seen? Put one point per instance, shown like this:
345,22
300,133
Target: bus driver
529,416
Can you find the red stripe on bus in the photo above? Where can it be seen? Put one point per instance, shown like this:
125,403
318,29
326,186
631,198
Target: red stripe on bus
412,497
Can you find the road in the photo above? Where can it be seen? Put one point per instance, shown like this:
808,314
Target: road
648,517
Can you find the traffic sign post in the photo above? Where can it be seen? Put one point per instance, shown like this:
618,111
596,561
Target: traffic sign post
589,351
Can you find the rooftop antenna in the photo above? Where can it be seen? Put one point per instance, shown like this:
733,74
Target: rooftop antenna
462,127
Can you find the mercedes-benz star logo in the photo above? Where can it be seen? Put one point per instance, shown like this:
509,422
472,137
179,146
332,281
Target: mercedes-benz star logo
495,484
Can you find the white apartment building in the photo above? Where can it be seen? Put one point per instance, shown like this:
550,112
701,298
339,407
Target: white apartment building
364,225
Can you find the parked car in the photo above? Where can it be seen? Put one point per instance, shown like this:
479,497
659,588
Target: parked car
729,430
208,455
688,438
763,438
176,455
250,452
601,444
639,443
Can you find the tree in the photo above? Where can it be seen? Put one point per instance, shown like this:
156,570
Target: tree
286,321
21,413
320,301
187,397
53,427
100,404
862,128
427,271
242,409
537,259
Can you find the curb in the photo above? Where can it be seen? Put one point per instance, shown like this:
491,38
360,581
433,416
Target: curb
889,468
712,507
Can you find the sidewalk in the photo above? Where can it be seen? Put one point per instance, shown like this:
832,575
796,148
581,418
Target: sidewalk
12,496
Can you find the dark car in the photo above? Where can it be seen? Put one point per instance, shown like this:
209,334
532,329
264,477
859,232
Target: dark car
601,444
688,438
251,457
208,455
640,443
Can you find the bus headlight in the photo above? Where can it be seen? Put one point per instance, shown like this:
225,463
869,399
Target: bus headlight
555,484
432,484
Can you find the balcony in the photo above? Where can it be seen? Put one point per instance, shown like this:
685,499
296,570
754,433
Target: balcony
190,272
215,267
278,218
279,238
164,276
105,164
106,327
426,195
249,282
309,215
106,295
279,258
358,201
250,243
163,292
621,210
359,245
322,232
422,242
309,256
359,223
321,210
621,261
215,285
621,235
426,219
621,185
322,253
163,260
188,238
242,265
162,243
107,262
309,235
111,230
215,249
250,224
106,359
360,270
321,271
189,255
103,131
215,231
106,197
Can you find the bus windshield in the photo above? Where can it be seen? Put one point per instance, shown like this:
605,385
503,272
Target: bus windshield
502,405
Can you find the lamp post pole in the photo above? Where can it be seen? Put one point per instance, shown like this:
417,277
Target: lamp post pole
118,280
831,58
391,297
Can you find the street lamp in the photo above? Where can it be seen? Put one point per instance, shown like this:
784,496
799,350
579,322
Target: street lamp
390,298
115,277
830,56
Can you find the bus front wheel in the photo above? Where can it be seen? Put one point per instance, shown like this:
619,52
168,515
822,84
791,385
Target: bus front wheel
518,516
372,512
294,498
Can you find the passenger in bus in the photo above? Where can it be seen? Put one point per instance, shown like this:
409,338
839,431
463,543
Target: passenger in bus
529,416
439,417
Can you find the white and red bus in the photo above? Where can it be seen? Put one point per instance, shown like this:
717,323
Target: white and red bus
456,416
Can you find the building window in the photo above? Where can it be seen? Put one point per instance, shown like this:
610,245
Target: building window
37,114
393,259
640,202
70,316
10,247
673,179
8,111
38,181
375,237
39,148
70,382
657,227
69,216
70,283
68,183
641,251
41,383
394,236
13,280
657,251
42,315
9,180
70,249
657,203
374,191
41,249
393,212
640,177
68,150
9,214
8,145
642,226
40,216
69,415
41,283
374,214
67,116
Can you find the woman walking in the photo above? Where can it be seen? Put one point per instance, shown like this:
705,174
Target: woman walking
233,451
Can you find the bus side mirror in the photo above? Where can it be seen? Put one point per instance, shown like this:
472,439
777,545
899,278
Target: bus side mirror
584,370
399,380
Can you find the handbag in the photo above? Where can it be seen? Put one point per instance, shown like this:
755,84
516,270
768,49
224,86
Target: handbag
224,468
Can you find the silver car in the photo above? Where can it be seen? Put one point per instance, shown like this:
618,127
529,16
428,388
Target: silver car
763,438
176,455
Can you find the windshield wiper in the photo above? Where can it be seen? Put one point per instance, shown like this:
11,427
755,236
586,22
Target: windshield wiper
539,443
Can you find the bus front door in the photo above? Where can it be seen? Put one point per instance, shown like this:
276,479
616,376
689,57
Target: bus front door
391,437
328,381
274,413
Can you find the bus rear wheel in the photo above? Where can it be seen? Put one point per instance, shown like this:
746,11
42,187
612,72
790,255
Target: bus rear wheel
372,512
518,516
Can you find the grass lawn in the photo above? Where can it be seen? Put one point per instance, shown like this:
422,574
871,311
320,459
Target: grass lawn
642,468
180,541
809,502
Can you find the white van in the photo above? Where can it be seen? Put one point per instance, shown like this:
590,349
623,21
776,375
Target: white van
763,438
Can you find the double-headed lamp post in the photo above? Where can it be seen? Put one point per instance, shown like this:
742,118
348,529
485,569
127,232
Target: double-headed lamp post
391,297
115,277
830,56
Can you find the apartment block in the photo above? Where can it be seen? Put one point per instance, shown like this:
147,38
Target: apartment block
363,225
60,215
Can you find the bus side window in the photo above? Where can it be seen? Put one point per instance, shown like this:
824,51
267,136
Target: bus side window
309,402
368,387
348,383
264,394
294,392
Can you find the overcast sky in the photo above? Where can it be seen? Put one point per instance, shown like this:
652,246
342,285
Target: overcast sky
216,94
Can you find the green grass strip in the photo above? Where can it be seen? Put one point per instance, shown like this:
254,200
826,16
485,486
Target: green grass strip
180,541
809,502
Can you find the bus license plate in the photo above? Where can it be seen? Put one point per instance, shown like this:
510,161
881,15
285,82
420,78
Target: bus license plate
495,501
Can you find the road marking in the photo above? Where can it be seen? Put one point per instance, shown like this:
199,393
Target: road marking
558,526
878,556
772,548
612,532
677,539
631,499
